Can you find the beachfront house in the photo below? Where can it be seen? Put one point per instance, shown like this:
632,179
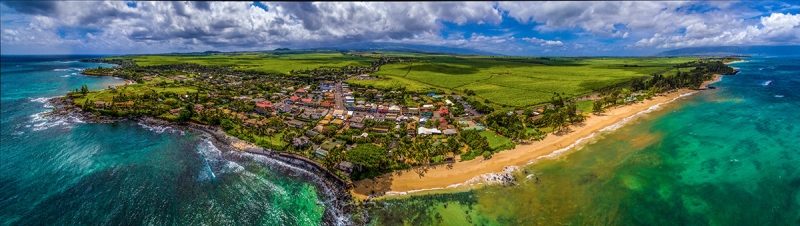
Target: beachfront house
301,142
346,167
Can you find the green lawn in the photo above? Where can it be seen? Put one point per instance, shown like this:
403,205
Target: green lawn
494,139
585,106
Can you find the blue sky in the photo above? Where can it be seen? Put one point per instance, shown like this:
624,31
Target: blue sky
513,28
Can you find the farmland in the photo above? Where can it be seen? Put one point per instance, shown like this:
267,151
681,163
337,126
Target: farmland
273,63
506,82
516,81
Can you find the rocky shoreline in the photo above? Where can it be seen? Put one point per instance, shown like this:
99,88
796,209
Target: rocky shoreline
343,201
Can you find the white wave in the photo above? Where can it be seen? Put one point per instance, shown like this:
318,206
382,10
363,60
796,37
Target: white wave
40,122
504,177
157,129
61,69
17,133
65,76
779,96
44,100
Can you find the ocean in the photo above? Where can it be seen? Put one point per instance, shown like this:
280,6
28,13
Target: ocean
66,172
728,156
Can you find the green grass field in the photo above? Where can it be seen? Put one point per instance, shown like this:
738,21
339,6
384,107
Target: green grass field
494,139
262,62
517,81
506,81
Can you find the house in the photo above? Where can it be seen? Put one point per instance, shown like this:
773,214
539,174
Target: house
394,109
426,110
349,100
391,116
444,110
356,125
100,104
426,131
338,113
411,128
175,111
198,107
300,142
450,132
357,119
382,109
311,133
442,123
296,123
264,106
381,129
292,99
337,122
301,91
124,105
306,101
326,147
431,94
413,111
285,108
325,87
346,167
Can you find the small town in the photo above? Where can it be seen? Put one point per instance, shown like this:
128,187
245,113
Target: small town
318,115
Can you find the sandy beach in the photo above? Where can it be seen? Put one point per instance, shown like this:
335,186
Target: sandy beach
463,174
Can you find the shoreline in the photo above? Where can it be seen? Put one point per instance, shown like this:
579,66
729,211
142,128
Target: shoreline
499,169
330,186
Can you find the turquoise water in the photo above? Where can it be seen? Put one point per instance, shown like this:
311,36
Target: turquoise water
66,172
729,156
721,157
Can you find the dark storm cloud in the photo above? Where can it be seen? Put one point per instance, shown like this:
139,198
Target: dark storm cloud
205,6
306,12
47,8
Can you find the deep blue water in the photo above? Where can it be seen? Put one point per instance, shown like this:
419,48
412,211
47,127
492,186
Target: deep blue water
66,172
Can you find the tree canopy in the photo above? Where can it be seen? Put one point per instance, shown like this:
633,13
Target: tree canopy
368,155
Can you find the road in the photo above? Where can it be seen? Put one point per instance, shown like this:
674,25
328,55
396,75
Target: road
339,99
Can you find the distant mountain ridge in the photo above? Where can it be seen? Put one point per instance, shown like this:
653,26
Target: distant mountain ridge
734,50
401,47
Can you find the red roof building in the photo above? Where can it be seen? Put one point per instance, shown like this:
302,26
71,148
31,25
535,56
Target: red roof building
444,110
300,91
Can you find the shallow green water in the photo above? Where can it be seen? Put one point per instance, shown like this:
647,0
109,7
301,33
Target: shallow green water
729,156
